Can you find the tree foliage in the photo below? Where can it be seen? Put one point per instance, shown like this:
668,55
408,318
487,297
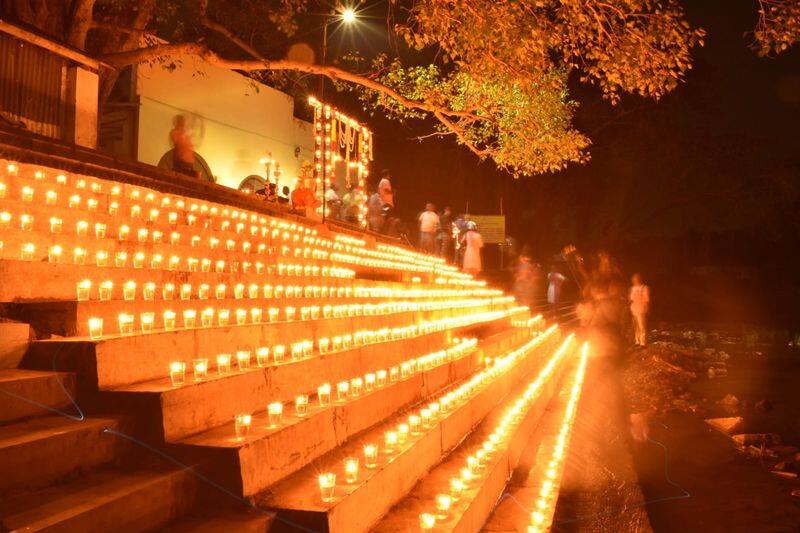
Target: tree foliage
778,26
491,73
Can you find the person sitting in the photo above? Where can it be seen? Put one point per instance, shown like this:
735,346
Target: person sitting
283,198
332,201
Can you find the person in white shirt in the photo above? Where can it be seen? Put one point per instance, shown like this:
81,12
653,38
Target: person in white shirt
640,305
428,228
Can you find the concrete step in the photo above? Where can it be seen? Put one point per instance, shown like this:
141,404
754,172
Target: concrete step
25,393
241,519
106,500
199,405
358,506
299,440
480,496
42,450
14,339
116,361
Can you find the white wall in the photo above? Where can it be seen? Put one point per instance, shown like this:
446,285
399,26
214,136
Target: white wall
239,121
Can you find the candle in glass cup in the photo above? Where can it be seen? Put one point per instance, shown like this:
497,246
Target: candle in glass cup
149,291
342,390
456,488
56,225
351,469
120,259
200,367
356,385
402,433
273,314
207,317
54,253
255,315
390,440
262,356
129,290
177,373
189,318
223,363
26,222
168,291
443,502
279,352
370,456
147,319
105,290
169,320
324,394
414,424
427,521
301,404
242,424
138,260
95,328
274,412
125,323
327,486
369,382
83,290
381,378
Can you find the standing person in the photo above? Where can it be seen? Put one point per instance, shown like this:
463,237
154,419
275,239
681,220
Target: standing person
385,189
332,201
446,225
473,242
349,211
524,278
555,280
183,148
640,305
428,228
375,215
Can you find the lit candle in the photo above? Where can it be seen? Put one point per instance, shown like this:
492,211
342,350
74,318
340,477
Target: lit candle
262,356
324,394
327,486
370,456
84,287
390,440
169,320
402,433
301,404
27,194
274,411
241,425
381,378
146,319
279,353
342,389
105,290
125,323
351,469
177,373
149,291
443,502
189,318
54,253
120,259
200,367
456,488
95,328
129,290
427,521
223,363
168,291
138,260
25,222
241,316
56,225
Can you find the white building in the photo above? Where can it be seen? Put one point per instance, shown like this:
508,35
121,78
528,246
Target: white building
235,122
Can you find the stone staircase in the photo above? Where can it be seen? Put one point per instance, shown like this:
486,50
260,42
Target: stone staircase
202,367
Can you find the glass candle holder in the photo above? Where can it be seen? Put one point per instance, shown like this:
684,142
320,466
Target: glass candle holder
327,486
456,488
369,382
223,317
262,356
169,320
200,367
56,225
54,253
104,293
394,374
223,364
83,289
301,404
168,291
414,424
356,386
129,290
95,328
324,394
370,456
274,413
425,415
242,425
342,391
351,469
443,502
256,315
123,233
189,318
26,222
142,235
272,313
120,259
26,194
207,317
177,373
149,291
146,321
243,360
125,323
381,378
241,317
279,353
220,291
138,260
390,441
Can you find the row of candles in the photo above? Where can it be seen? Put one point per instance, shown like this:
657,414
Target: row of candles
476,463
354,388
547,490
400,256
255,315
185,291
427,417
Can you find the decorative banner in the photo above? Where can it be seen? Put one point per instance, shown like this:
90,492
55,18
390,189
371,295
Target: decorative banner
491,227
338,137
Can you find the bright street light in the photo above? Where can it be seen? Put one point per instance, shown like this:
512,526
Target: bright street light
348,15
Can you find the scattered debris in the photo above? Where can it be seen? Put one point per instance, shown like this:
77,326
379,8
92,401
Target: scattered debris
726,425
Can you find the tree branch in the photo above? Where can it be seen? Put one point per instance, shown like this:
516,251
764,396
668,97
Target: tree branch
80,23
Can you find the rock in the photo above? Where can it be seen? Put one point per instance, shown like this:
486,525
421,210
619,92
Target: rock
726,425
764,406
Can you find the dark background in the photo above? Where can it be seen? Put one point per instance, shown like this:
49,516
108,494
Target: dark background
698,191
